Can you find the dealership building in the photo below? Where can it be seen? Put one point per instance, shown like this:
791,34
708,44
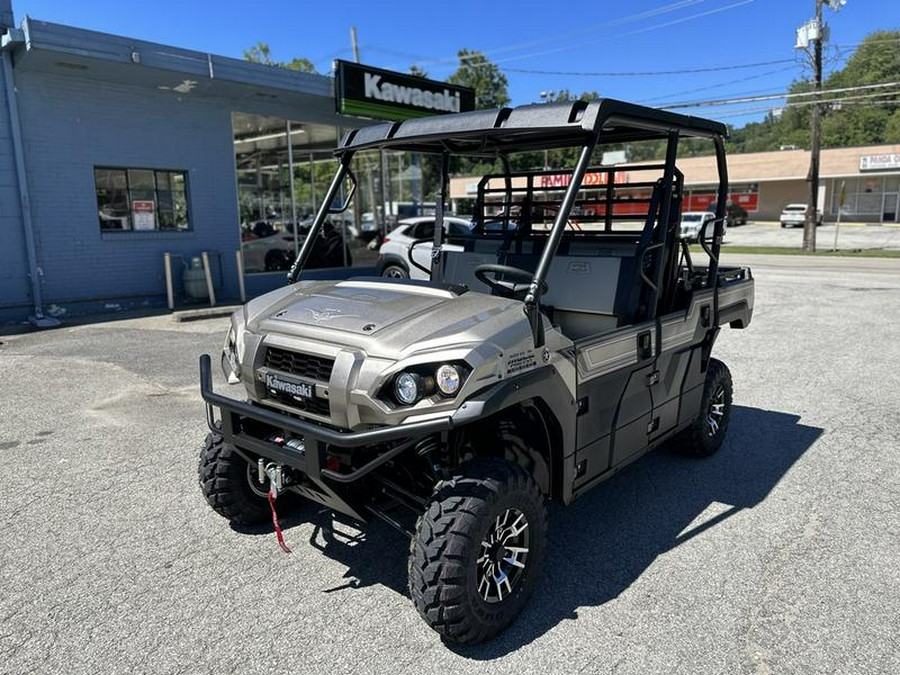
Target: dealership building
117,155
115,152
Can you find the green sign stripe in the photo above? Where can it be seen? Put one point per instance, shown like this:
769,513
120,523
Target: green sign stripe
383,110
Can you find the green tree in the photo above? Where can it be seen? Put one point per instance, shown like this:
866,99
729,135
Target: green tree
260,53
864,121
892,128
417,71
476,71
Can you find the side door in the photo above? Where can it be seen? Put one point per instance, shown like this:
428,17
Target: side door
677,380
615,407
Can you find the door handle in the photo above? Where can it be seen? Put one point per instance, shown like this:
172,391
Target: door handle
644,345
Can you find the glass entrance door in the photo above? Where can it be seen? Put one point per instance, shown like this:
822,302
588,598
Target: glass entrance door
889,207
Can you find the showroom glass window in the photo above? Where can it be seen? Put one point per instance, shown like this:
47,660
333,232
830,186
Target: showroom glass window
141,199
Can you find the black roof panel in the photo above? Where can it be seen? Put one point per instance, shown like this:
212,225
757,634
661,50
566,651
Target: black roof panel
529,127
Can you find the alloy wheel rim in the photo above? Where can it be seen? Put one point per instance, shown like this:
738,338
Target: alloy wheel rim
394,273
716,413
503,556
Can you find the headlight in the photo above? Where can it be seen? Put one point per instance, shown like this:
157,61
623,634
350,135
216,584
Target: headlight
407,388
424,381
448,379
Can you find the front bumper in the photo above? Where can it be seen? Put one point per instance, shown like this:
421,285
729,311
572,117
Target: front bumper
249,427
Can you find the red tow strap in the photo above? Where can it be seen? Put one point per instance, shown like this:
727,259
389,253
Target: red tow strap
276,525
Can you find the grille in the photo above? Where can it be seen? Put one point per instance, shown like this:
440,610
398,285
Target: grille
315,405
303,365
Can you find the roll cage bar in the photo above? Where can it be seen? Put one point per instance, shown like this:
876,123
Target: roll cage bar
498,132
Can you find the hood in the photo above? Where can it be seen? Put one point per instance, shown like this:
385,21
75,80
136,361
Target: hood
359,307
380,315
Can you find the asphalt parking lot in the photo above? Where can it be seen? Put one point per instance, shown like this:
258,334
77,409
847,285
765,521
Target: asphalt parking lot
780,554
850,236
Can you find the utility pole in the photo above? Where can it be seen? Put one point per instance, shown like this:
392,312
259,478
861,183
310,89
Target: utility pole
355,44
809,227
547,97
815,31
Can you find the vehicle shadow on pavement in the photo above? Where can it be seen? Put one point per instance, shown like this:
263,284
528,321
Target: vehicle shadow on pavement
602,543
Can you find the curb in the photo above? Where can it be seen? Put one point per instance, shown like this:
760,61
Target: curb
204,313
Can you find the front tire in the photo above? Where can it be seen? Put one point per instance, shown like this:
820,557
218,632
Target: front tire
707,432
478,550
395,272
229,484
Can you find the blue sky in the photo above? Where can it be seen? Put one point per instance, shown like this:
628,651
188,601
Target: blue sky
534,42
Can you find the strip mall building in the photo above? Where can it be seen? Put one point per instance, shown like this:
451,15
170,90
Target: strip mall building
764,182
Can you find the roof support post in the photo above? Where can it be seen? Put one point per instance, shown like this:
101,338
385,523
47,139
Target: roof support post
721,198
437,268
533,297
661,239
324,209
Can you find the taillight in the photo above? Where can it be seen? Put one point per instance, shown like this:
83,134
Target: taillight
385,240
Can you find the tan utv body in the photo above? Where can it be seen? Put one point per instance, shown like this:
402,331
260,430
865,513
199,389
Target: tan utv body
569,333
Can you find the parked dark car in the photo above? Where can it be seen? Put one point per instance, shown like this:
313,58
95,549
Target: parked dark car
735,214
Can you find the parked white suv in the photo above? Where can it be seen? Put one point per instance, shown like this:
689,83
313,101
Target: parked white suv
693,221
794,215
393,255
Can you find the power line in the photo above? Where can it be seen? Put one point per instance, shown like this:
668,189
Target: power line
640,16
649,73
773,97
871,98
674,22
631,18
717,85
681,71
575,45
843,49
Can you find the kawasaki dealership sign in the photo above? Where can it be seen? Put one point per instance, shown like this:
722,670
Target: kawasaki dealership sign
387,95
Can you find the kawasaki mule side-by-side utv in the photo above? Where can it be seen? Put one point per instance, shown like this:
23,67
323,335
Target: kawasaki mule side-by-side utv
568,333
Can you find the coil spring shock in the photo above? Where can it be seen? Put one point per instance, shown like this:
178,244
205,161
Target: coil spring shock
427,448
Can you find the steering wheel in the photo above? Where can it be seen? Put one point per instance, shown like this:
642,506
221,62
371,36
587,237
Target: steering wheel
516,288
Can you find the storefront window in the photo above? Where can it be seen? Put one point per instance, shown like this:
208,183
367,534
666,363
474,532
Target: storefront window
284,168
864,198
141,199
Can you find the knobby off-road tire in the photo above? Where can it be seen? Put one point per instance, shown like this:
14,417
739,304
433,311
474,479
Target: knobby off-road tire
707,432
486,523
229,487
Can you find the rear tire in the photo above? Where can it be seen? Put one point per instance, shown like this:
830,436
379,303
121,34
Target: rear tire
707,432
230,485
478,550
